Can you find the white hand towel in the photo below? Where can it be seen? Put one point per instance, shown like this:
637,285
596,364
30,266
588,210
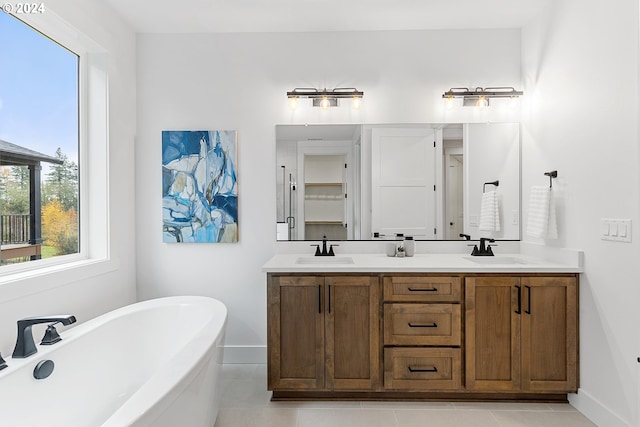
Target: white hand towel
489,212
542,214
552,225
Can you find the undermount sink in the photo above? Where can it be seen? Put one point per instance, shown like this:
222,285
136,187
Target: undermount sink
495,260
325,260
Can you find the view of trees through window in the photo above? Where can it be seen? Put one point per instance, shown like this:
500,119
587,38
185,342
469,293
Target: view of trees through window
39,181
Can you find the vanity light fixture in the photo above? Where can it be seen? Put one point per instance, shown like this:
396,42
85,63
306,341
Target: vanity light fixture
325,98
479,97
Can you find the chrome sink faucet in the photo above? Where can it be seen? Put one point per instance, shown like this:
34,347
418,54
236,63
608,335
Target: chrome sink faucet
25,346
484,250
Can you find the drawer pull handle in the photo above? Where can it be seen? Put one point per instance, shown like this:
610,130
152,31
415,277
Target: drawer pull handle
423,290
431,369
423,325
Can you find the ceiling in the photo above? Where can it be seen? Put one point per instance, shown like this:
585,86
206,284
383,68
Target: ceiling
224,16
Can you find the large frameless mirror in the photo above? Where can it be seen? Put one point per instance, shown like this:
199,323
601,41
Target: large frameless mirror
375,181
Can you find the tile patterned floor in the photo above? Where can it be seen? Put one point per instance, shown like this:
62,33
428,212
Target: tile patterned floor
246,403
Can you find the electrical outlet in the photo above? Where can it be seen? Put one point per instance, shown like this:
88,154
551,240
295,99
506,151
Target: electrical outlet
473,220
514,217
617,230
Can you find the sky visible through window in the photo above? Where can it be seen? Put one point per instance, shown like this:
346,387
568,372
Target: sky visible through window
38,91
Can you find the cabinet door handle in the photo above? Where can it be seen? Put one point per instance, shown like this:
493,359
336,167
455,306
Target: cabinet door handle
528,310
329,299
431,369
423,289
519,310
423,325
319,299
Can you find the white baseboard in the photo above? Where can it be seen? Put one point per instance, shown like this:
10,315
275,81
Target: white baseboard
593,409
245,354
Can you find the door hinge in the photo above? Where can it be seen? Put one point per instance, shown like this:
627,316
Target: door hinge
345,165
434,144
345,195
434,231
434,188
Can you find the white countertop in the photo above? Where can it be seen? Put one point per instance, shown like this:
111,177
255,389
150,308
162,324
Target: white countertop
420,263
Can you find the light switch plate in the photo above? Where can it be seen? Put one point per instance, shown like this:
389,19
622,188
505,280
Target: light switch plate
473,220
617,230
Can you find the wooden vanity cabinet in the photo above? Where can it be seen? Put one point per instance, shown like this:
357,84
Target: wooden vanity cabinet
422,336
323,332
521,333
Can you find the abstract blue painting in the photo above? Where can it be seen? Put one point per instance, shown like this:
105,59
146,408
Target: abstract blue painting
199,187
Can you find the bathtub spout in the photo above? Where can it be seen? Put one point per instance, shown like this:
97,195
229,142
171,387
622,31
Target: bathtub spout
25,346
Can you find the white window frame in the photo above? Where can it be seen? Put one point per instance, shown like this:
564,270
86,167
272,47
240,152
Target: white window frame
93,162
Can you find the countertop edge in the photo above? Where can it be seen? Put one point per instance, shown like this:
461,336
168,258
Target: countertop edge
426,270
425,263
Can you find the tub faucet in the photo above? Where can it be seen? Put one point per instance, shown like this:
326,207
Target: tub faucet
25,346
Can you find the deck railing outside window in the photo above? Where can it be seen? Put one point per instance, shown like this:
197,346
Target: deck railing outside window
14,229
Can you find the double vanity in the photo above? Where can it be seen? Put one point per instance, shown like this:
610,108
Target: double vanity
433,326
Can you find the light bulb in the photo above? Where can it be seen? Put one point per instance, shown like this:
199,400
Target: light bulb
356,103
482,102
324,103
449,102
293,102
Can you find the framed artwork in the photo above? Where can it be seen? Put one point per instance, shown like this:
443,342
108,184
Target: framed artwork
199,186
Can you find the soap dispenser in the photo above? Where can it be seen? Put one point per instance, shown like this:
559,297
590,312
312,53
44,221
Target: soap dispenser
409,246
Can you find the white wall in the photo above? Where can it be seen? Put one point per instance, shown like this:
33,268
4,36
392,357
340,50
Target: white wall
91,290
239,81
580,69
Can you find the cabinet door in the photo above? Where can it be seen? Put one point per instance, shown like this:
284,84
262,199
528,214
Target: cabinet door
492,333
549,334
352,319
295,333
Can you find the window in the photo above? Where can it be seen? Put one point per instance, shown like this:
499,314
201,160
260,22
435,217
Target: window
39,145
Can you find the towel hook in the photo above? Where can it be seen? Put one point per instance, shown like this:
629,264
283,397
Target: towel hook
551,175
496,183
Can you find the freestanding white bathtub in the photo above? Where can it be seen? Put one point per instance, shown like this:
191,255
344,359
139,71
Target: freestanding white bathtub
155,363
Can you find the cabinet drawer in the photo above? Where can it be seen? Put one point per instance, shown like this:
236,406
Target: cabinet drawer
422,369
422,324
422,289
